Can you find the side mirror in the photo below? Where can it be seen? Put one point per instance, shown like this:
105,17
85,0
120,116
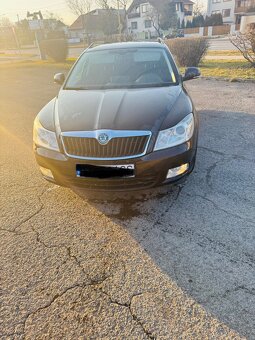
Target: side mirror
191,73
59,78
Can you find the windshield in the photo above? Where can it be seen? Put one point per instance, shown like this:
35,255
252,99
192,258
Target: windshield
122,68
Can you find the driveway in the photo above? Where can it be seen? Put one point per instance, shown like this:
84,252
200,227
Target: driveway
177,265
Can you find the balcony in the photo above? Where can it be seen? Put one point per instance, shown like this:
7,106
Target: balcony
244,6
134,15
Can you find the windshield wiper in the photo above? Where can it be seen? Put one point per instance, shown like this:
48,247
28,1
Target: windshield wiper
137,86
76,88
113,87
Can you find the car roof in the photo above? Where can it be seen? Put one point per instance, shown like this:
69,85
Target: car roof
123,45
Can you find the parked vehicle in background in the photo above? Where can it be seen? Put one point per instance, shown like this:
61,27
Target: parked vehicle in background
175,34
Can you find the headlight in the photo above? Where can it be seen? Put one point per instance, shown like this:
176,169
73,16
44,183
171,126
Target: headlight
176,135
43,137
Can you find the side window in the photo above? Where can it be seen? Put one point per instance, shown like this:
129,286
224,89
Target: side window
226,13
144,8
147,24
134,25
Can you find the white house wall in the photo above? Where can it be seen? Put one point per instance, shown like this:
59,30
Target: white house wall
246,21
141,29
220,6
141,23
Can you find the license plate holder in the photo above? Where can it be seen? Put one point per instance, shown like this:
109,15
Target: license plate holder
105,171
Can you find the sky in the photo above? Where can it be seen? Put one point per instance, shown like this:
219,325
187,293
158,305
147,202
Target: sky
12,8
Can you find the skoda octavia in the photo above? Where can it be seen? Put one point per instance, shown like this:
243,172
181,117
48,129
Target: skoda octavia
121,121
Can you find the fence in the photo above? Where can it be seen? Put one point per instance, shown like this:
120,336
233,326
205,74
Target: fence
211,30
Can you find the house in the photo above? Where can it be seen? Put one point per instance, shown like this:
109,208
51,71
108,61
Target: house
142,18
244,11
224,7
231,10
54,28
96,24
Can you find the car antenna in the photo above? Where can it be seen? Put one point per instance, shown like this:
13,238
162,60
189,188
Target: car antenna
91,45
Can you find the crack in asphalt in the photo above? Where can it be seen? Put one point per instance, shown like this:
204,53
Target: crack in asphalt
224,295
209,171
59,295
41,207
92,283
95,283
236,289
129,306
206,242
158,221
216,152
221,209
222,154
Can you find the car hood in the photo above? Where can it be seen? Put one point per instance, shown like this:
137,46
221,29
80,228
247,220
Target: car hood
125,109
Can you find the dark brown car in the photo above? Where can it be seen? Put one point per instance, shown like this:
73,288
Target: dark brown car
122,121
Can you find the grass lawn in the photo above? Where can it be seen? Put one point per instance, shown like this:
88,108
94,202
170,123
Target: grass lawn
218,68
230,69
27,55
224,53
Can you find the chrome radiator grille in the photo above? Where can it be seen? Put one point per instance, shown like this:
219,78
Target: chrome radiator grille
119,147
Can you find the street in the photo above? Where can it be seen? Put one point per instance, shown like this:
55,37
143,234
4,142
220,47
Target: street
179,264
216,44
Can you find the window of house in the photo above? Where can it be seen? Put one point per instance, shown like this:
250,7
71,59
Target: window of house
134,25
226,13
144,8
147,23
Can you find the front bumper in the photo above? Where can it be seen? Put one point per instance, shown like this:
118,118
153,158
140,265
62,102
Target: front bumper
150,170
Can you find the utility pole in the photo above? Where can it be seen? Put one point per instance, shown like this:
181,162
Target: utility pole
37,20
118,3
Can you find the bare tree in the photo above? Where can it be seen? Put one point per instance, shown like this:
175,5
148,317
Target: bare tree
79,7
154,16
51,15
123,4
245,43
5,21
104,4
198,8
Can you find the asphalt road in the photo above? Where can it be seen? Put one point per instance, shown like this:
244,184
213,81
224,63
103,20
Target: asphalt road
178,265
216,44
221,44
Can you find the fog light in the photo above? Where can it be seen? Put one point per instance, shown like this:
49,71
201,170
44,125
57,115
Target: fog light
177,171
46,172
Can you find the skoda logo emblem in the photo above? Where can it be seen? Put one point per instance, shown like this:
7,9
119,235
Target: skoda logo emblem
103,139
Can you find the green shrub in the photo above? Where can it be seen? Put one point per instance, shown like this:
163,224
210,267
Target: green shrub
56,49
188,51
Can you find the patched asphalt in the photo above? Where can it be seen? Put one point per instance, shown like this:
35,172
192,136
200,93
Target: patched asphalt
179,264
